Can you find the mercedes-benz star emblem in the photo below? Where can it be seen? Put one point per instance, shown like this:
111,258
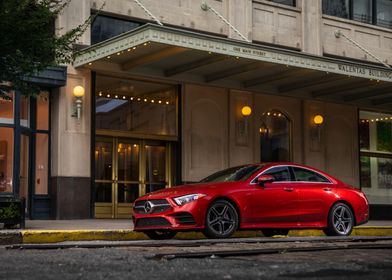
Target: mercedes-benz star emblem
148,207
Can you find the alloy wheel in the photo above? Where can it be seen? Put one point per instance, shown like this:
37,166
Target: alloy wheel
222,219
342,219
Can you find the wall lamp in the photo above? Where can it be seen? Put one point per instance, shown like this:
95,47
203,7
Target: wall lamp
242,126
246,111
78,93
318,120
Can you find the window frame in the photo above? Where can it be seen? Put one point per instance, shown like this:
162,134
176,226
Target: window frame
372,13
369,153
30,131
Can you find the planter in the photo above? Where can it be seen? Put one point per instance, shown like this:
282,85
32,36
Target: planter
12,212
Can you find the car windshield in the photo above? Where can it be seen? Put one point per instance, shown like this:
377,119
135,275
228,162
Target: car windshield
238,173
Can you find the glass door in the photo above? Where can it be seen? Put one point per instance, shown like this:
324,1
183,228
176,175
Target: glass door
126,169
104,178
117,176
126,184
156,163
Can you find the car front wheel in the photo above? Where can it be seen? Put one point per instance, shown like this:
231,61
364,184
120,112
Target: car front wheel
340,220
221,219
160,234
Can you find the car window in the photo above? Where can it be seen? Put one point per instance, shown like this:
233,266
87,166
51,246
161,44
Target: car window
306,175
280,173
238,173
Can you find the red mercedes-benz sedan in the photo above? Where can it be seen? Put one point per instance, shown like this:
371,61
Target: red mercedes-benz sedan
273,197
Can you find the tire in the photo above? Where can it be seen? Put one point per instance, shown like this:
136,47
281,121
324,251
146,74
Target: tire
160,234
269,232
340,220
221,219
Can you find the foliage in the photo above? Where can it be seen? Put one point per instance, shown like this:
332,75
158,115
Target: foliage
10,212
29,44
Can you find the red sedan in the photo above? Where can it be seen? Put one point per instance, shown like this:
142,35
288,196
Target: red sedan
273,197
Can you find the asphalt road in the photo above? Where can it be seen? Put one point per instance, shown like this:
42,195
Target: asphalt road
160,262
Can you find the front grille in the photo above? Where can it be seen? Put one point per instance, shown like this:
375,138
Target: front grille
152,222
157,206
184,218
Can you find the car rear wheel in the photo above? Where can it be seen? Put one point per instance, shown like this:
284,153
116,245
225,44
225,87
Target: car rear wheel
221,219
160,234
340,220
274,231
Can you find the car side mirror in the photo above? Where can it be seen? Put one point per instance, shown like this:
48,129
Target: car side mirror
263,179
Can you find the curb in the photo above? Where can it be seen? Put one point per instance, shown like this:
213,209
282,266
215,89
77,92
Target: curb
54,236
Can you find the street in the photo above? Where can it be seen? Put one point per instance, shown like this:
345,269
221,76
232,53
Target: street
169,260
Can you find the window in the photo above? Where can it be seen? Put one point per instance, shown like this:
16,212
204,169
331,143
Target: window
375,141
7,109
280,173
6,158
42,112
24,111
233,174
306,175
135,106
377,12
41,163
104,27
384,13
362,11
285,2
274,137
338,8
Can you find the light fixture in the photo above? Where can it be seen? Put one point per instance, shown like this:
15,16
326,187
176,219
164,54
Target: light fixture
78,93
318,119
246,111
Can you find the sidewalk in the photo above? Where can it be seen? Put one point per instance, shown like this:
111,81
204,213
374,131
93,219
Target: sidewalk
50,231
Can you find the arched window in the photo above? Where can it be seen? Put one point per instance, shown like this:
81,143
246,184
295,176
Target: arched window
275,139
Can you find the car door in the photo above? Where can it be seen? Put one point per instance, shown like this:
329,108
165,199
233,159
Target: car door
275,204
314,196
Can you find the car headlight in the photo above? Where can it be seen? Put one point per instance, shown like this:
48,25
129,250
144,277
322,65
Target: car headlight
181,200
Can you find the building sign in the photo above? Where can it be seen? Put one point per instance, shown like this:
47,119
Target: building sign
192,40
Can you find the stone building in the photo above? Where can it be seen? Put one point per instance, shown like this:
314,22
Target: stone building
301,81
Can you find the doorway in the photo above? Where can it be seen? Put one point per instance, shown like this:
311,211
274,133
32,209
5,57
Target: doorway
126,169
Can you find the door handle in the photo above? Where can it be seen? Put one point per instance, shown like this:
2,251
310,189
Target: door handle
288,189
327,189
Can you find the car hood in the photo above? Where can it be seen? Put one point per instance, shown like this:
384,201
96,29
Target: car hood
203,188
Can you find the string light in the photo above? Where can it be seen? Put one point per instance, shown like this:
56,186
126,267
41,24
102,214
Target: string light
132,98
376,120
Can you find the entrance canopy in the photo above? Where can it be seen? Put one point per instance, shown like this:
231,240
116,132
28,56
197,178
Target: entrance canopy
183,56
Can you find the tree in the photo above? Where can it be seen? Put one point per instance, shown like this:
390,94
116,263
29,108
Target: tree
28,42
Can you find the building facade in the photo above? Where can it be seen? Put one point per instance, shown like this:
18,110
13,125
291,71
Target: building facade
301,81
